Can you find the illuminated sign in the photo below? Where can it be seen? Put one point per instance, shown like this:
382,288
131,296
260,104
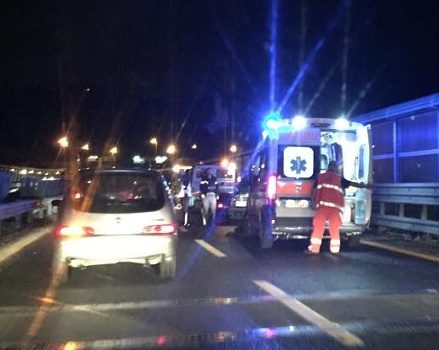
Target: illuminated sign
303,137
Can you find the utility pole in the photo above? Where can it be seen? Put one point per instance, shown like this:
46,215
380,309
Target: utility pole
344,65
301,51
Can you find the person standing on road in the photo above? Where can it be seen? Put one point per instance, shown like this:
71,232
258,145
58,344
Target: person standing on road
209,189
187,190
329,199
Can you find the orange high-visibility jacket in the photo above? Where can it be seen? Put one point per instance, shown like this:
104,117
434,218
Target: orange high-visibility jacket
329,191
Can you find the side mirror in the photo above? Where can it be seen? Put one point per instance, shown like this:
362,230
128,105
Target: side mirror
56,202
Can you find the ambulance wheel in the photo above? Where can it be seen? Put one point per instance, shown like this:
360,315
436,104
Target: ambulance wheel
247,227
266,229
354,242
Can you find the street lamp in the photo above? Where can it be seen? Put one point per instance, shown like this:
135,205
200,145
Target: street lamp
225,162
114,151
171,149
194,146
63,142
233,148
86,147
154,142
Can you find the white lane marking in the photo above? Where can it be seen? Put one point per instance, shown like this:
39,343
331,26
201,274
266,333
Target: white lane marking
400,250
332,329
210,248
138,305
174,303
14,247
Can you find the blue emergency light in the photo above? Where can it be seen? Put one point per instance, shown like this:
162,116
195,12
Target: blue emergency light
273,123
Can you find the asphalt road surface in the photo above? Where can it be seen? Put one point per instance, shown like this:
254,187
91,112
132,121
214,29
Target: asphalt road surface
228,294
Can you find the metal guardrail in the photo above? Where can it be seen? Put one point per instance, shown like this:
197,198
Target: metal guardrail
403,195
19,209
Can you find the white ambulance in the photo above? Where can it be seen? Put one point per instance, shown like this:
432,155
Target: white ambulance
284,168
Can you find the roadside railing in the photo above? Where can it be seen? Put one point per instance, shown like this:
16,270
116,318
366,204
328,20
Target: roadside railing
407,206
23,211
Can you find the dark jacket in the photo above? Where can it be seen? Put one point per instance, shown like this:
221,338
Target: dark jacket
208,184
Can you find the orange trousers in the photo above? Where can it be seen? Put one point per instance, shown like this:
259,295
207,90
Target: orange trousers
323,214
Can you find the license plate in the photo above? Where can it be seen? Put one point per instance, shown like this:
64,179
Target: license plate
241,204
294,203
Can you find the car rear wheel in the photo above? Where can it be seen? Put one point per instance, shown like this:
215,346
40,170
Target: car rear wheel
167,269
247,227
62,272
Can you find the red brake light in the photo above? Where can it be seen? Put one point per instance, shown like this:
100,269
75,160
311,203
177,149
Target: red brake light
272,184
168,229
74,231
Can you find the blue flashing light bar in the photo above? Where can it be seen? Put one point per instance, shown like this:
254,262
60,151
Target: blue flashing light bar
272,121
273,124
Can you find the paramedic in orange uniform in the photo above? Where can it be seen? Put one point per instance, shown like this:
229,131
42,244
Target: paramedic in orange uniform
329,199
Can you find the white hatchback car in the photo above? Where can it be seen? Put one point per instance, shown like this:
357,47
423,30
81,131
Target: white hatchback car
114,216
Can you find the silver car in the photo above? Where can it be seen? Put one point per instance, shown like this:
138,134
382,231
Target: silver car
114,216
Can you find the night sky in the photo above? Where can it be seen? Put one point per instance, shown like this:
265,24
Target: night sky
198,71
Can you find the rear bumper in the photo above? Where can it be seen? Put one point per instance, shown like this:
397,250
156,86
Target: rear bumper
107,250
237,213
301,228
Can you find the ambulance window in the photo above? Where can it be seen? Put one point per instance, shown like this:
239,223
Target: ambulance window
324,161
361,161
336,152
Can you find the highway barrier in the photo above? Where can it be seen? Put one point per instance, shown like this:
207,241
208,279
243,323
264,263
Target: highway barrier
410,207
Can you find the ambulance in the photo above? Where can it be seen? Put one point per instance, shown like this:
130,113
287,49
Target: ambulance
283,169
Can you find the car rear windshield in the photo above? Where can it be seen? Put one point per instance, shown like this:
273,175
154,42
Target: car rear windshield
224,174
119,193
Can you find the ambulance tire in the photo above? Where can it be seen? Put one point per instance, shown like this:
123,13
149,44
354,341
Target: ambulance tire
266,229
247,227
353,242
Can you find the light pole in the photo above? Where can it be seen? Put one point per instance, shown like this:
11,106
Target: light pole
83,153
63,142
114,151
171,150
154,142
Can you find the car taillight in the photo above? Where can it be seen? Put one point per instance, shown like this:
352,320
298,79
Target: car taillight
167,229
74,231
271,190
